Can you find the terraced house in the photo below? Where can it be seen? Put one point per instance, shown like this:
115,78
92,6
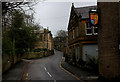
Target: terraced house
82,38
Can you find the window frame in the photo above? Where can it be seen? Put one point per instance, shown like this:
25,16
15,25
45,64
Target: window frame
94,30
88,28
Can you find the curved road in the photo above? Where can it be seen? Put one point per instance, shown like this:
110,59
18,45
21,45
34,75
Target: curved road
47,68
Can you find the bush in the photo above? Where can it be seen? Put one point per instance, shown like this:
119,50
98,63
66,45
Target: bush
40,49
37,50
43,49
70,61
81,62
92,63
7,46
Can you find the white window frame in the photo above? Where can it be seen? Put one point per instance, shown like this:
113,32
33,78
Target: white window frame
87,28
94,31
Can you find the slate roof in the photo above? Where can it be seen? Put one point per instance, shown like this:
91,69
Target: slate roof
84,11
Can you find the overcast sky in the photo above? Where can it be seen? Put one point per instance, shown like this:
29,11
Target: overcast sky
55,15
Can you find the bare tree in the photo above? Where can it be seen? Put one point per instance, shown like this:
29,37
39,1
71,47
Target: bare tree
9,7
60,40
61,33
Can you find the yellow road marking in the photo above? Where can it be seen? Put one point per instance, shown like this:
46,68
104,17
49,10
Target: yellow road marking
27,74
69,72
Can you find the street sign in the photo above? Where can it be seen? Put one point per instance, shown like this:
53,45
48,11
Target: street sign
93,16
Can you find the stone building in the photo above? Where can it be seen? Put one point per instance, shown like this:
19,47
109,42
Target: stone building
45,39
109,39
82,38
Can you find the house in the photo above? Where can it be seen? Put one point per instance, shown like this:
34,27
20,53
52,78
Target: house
82,38
45,39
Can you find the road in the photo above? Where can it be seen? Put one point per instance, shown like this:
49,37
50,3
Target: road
47,68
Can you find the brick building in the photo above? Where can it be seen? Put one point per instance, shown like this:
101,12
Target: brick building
82,39
45,39
109,39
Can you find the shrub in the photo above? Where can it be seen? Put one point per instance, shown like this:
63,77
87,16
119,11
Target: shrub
7,46
43,49
37,50
92,63
70,61
81,62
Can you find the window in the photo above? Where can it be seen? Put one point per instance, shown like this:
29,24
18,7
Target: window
91,30
70,51
77,53
95,30
88,29
44,37
77,31
73,34
40,37
70,36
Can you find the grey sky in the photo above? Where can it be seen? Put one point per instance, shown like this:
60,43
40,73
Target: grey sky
55,15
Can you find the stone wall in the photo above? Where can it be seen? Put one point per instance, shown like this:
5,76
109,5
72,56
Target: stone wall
108,43
33,55
7,61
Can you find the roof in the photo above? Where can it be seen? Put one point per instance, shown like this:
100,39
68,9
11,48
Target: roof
84,11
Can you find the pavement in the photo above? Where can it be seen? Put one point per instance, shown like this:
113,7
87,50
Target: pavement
14,73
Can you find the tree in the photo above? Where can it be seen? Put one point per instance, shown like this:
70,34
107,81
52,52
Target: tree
8,8
61,36
60,39
61,33
21,36
13,6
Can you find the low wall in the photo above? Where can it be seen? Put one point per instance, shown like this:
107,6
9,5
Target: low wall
7,60
33,55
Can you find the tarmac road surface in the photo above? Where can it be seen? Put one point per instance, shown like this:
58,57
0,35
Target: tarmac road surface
47,68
